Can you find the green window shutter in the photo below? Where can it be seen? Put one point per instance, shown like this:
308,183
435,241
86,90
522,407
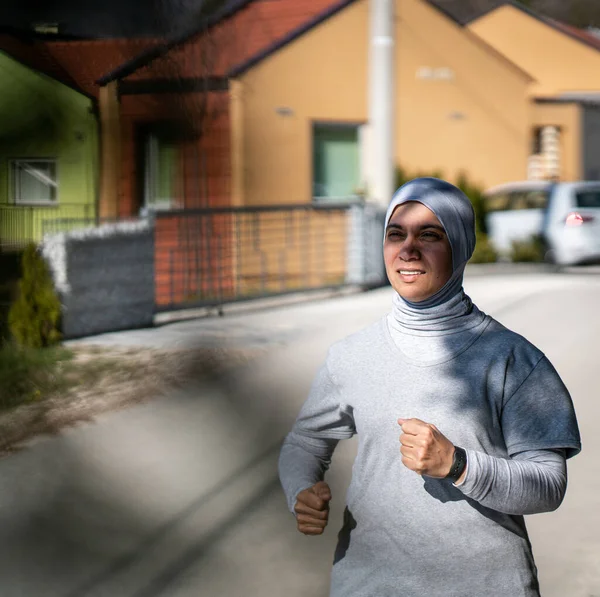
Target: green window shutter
336,161
167,163
161,171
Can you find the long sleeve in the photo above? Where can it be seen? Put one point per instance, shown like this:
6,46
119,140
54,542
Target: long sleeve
528,483
303,462
307,450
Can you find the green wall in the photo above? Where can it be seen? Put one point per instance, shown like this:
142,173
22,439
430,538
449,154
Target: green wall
42,118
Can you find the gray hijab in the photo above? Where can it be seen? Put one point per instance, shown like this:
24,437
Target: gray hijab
449,310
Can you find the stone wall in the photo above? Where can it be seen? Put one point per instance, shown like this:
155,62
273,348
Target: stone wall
104,277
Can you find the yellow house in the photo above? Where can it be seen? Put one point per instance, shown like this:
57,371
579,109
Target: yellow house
564,63
299,112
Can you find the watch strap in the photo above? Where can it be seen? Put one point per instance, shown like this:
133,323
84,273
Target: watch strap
459,463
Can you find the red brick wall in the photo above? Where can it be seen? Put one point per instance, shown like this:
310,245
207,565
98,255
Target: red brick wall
193,258
189,265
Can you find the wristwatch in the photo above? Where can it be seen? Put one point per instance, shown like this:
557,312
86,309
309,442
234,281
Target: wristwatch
459,462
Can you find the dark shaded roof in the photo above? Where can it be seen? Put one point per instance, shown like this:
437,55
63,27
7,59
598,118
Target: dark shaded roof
487,10
464,11
144,58
87,60
580,34
581,98
31,35
29,49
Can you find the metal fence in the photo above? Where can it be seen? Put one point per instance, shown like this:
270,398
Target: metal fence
211,256
207,257
22,224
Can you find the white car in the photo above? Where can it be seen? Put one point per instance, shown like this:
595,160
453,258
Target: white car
565,215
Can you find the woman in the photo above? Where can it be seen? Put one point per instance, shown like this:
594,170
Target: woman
463,426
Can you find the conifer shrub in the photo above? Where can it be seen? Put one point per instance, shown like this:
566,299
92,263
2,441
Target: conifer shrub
34,316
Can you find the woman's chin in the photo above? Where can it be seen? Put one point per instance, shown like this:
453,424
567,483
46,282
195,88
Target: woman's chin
412,294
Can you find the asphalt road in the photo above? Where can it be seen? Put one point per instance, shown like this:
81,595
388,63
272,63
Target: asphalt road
179,496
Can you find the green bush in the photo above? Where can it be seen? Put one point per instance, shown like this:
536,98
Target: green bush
475,195
33,317
484,250
531,250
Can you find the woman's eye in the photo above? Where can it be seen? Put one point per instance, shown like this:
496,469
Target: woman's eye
431,236
394,235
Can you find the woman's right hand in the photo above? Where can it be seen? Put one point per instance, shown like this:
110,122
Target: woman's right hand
312,509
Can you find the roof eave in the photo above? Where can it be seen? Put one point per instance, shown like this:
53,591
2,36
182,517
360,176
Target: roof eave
245,66
148,56
538,17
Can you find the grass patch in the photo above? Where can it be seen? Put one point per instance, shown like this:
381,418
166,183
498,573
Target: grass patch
28,375
45,390
34,375
90,369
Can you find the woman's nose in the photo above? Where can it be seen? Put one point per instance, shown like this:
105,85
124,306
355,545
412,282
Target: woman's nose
409,250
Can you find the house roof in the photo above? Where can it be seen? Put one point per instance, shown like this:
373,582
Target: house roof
340,5
286,20
581,34
583,98
151,53
30,51
290,37
241,32
459,11
87,60
74,61
575,33
260,28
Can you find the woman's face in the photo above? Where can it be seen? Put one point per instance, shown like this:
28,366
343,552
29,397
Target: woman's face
417,253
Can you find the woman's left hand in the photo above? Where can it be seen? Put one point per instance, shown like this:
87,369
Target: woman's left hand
425,449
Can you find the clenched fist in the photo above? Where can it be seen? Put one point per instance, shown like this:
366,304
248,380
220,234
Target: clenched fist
425,449
312,509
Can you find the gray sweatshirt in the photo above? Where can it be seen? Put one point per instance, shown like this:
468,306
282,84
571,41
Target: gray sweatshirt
491,392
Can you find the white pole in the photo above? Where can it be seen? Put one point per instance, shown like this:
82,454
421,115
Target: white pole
381,101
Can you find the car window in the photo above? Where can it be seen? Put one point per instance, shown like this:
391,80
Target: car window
588,198
497,202
537,199
517,200
529,200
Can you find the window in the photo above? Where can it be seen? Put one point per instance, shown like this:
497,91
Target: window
160,172
336,161
588,199
537,199
34,181
528,200
499,202
516,200
536,141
